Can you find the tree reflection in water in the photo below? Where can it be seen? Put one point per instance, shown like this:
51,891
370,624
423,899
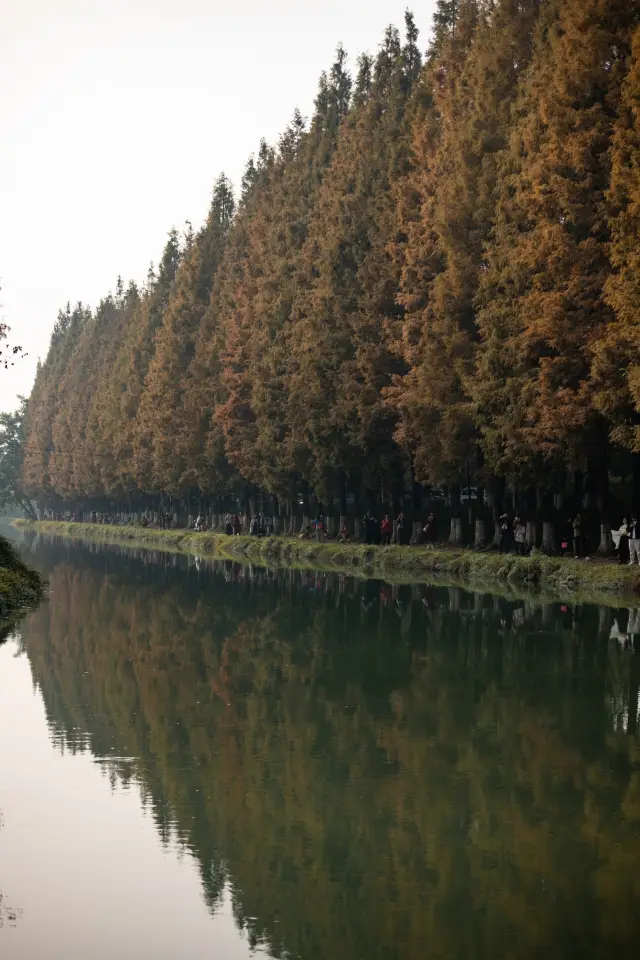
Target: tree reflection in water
375,771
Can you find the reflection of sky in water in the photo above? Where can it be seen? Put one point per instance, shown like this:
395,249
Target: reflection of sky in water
81,870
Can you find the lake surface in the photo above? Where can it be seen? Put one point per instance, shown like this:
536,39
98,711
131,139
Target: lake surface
202,760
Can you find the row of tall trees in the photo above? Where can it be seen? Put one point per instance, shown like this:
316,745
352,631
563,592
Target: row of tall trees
433,282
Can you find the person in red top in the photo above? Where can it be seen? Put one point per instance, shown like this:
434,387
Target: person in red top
386,529
343,536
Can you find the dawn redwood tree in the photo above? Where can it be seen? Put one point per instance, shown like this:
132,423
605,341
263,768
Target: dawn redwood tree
103,428
541,303
444,27
616,367
44,402
474,121
207,466
340,360
74,459
274,225
252,304
161,427
435,419
133,449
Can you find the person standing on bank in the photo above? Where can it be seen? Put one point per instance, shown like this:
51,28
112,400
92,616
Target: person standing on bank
621,541
520,534
634,540
386,529
429,531
578,542
369,524
505,534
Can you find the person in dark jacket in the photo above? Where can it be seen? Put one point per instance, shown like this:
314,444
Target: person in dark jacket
622,546
578,539
369,527
506,534
429,530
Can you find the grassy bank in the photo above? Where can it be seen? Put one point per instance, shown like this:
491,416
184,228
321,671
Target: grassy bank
20,588
598,581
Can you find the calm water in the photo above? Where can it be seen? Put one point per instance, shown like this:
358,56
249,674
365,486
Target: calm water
201,761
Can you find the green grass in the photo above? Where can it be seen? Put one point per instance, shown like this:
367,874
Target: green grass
554,578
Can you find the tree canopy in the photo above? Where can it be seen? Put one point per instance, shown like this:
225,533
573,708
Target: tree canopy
432,280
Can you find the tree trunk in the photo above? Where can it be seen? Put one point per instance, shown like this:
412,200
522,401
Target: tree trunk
548,538
531,536
578,492
498,486
547,515
606,547
531,509
416,536
343,498
635,478
455,535
479,540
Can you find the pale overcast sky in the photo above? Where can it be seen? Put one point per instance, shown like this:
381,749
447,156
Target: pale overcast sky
117,116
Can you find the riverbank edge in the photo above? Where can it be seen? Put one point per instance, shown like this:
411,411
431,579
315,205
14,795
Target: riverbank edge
394,564
21,589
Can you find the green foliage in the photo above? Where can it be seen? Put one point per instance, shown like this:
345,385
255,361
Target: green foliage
12,432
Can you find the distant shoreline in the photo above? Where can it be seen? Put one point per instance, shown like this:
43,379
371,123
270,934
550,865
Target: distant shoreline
589,581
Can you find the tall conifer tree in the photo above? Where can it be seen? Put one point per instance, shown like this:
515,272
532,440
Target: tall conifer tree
43,404
541,300
256,362
160,424
133,448
615,368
